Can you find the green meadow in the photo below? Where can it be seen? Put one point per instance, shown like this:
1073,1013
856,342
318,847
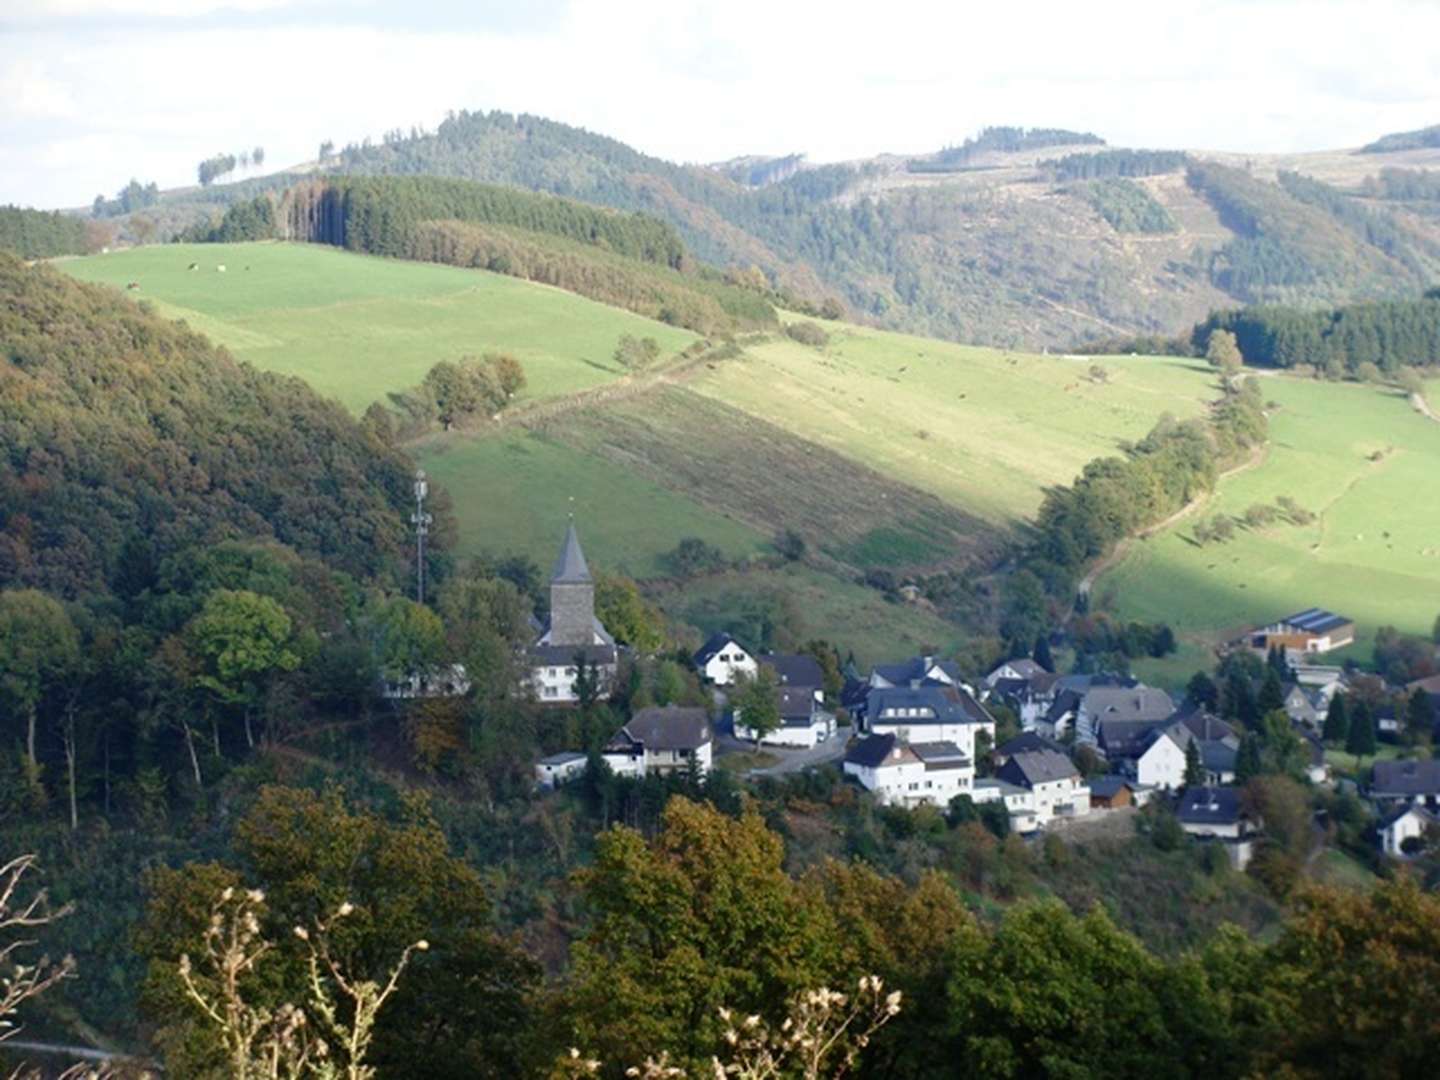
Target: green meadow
1368,466
986,430
357,327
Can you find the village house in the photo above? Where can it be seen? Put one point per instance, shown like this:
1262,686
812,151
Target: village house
1306,705
558,769
1022,743
1115,792
1215,813
1134,704
928,714
1394,782
572,635
1314,630
662,739
1025,687
1054,781
1022,670
804,721
1019,801
1402,832
909,774
721,659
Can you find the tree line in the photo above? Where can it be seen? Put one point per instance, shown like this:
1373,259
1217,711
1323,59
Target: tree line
251,219
1116,163
1127,206
132,197
41,234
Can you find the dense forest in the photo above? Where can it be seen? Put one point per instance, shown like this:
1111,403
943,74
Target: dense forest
40,234
1404,140
1109,163
1127,206
1389,335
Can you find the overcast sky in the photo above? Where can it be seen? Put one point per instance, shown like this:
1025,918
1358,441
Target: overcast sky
93,92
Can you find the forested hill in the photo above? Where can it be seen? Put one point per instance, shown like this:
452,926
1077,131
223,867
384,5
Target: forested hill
1011,241
127,438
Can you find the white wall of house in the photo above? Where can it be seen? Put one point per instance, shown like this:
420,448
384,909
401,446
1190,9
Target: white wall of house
908,783
722,668
1050,729
1060,798
556,685
1231,831
1162,765
552,774
1020,802
625,764
663,761
820,728
1407,825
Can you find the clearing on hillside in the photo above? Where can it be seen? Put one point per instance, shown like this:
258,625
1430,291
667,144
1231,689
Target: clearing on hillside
358,327
1359,458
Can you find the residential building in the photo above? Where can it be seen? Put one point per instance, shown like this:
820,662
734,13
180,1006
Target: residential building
804,721
1313,630
1022,670
1019,801
1394,782
662,739
1022,743
1306,705
910,774
558,769
1405,823
572,635
928,714
1215,813
1112,792
1126,703
722,658
795,669
1059,789
1161,763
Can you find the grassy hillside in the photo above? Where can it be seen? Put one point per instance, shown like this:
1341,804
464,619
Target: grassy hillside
356,327
985,430
1365,462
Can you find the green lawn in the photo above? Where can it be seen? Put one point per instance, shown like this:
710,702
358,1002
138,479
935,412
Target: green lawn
1367,464
513,492
984,429
357,327
1343,762
1335,867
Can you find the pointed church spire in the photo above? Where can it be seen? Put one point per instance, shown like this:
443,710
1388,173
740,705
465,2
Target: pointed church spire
570,567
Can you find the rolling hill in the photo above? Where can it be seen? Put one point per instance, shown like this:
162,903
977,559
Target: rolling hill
998,245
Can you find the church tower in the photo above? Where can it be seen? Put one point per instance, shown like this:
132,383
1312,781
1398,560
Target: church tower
572,596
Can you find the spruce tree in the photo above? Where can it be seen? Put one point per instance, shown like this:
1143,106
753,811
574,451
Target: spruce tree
1194,766
1419,715
1337,721
1361,739
1250,761
1041,655
1272,692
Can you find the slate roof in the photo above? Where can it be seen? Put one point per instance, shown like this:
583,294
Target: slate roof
1106,787
1024,667
1128,703
797,705
1209,806
1026,741
564,655
795,669
1207,726
717,644
914,670
565,757
669,727
570,567
853,694
1037,767
1405,778
871,750
942,708
1410,808
1125,738
1004,787
940,755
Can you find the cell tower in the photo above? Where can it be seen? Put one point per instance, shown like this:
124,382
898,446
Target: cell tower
421,520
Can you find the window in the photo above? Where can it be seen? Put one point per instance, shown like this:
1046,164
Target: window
914,785
551,691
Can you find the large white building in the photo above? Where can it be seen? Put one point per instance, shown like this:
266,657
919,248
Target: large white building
722,659
928,714
910,774
1058,789
572,635
660,740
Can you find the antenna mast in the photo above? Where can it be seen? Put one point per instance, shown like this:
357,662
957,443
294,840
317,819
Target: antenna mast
421,520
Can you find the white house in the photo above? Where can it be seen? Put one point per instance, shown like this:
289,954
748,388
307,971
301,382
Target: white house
910,775
804,721
1215,813
1019,801
1057,786
1132,704
722,658
572,635
928,714
558,769
1162,763
1022,670
665,739
1407,823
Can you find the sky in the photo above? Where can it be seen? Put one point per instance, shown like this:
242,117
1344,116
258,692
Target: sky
94,92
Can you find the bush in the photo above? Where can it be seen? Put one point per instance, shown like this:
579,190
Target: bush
808,333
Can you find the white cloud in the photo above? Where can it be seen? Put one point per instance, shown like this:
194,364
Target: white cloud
701,80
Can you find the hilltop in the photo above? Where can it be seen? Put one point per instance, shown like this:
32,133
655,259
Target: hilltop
1004,240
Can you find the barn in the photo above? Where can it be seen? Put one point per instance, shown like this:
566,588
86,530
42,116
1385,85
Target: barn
1314,630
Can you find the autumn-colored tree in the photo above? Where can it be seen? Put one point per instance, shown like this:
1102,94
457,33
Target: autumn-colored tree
629,616
699,917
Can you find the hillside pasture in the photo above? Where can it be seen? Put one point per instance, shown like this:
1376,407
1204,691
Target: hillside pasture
984,430
357,327
1365,463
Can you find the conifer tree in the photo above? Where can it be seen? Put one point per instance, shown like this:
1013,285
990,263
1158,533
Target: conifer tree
1249,762
1337,721
1194,767
1041,654
1272,692
1361,739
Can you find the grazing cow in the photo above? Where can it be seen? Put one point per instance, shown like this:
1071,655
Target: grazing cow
193,266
